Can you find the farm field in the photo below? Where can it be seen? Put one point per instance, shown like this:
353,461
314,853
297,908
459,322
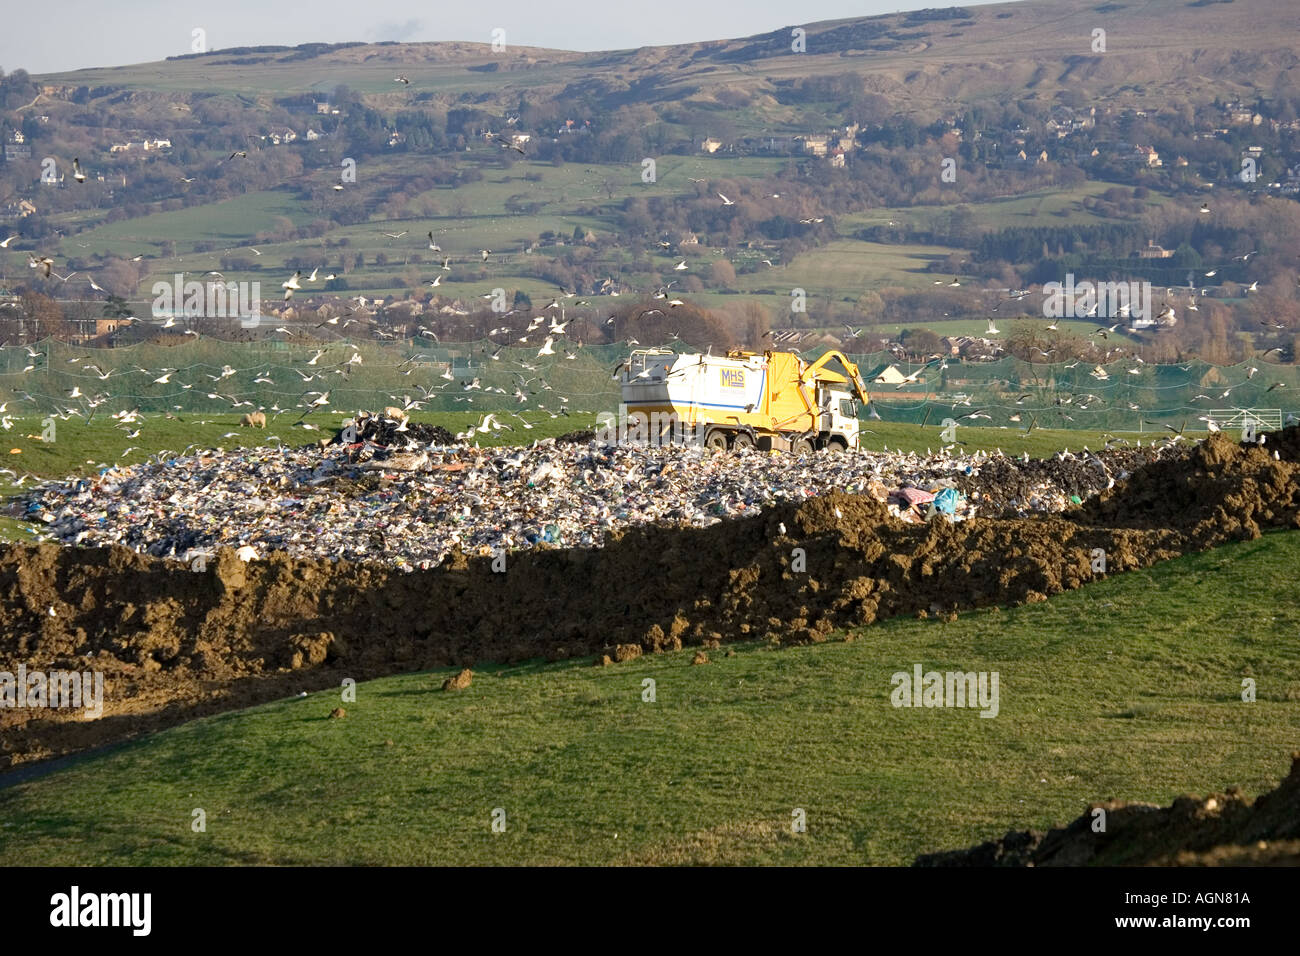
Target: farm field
1045,207
846,268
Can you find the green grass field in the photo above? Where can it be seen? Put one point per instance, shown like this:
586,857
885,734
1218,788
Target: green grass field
231,220
848,267
267,76
1128,688
1045,207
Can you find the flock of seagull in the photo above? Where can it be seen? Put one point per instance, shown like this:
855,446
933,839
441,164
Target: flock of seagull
551,332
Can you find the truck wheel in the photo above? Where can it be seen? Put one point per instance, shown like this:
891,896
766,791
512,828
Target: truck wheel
741,441
835,447
716,440
802,447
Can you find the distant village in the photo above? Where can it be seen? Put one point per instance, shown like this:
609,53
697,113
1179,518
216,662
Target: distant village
1065,137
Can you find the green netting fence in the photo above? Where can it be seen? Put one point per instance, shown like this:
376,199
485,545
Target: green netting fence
211,375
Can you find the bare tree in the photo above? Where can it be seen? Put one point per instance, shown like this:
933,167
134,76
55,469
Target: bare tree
41,318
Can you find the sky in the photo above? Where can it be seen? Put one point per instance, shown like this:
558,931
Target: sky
97,33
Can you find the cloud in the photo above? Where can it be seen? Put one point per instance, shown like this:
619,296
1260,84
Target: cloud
397,31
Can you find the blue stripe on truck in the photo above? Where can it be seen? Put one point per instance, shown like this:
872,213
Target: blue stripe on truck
683,404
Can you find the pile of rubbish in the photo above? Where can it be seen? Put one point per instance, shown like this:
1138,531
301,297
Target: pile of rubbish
367,501
392,430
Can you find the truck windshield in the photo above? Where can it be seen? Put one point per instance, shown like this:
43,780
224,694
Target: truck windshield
848,408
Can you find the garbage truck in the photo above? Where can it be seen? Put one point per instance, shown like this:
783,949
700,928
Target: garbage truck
770,401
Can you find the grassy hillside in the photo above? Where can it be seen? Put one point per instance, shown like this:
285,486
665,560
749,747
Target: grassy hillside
917,58
464,219
478,215
1128,688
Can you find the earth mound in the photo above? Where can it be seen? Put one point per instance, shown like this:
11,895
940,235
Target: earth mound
1222,829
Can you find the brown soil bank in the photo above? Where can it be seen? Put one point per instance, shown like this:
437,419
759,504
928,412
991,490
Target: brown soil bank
174,643
1224,829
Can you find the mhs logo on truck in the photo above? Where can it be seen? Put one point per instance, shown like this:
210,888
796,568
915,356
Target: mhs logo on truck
731,377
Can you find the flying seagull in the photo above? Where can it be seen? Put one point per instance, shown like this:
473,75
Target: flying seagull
510,144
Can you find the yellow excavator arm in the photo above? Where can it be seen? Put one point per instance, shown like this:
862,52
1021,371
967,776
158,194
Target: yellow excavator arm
851,373
809,377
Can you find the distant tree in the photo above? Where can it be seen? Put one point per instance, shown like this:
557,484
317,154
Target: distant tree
722,274
118,276
116,307
42,317
753,325
920,342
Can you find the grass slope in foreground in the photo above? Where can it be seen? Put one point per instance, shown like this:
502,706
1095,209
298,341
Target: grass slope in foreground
1128,688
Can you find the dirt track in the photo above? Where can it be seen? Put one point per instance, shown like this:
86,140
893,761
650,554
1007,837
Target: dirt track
174,644
1223,829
